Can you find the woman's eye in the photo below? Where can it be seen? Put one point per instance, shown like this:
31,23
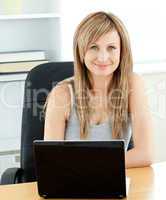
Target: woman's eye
111,47
94,47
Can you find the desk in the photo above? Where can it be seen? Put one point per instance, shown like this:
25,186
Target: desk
147,183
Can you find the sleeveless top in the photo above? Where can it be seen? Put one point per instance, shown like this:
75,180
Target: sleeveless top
100,132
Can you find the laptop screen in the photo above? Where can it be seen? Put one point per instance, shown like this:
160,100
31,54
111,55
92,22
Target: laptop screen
80,169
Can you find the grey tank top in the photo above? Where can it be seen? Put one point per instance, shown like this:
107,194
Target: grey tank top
101,132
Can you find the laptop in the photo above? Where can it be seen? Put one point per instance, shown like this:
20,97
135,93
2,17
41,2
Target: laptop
80,169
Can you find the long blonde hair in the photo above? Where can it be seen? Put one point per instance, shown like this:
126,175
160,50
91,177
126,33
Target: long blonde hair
89,30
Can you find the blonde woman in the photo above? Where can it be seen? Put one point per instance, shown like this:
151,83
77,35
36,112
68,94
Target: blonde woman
104,99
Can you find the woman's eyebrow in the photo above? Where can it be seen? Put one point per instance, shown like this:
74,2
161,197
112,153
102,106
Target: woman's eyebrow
109,43
112,43
93,43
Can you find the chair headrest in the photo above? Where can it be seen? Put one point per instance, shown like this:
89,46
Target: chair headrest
44,77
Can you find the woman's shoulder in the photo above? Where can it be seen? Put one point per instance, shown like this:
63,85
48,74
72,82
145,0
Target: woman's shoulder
62,91
136,81
62,86
60,95
59,98
137,93
66,81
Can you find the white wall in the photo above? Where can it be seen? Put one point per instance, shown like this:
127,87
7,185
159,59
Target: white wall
156,91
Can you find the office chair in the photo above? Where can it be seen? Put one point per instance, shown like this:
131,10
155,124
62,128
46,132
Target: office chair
39,82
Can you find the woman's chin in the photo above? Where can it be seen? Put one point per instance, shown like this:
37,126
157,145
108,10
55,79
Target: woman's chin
102,73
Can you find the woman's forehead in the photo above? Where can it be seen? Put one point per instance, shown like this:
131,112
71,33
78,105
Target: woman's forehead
111,37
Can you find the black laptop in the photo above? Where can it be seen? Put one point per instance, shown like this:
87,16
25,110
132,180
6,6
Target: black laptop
80,169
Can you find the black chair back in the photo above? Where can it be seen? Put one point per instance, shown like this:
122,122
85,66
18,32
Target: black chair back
38,84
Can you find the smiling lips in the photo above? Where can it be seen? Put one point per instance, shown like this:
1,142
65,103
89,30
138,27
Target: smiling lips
101,66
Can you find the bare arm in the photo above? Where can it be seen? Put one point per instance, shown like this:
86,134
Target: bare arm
56,113
142,126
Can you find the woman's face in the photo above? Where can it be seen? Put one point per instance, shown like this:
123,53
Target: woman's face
102,57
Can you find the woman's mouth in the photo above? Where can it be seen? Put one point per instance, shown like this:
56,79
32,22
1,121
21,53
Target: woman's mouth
101,66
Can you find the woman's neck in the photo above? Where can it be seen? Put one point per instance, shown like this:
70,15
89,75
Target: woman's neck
100,85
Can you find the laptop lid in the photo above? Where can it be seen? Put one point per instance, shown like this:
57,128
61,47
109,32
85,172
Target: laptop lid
80,169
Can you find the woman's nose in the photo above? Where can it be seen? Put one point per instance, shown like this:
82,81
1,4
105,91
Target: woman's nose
102,56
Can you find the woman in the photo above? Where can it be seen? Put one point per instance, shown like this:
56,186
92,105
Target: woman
105,98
